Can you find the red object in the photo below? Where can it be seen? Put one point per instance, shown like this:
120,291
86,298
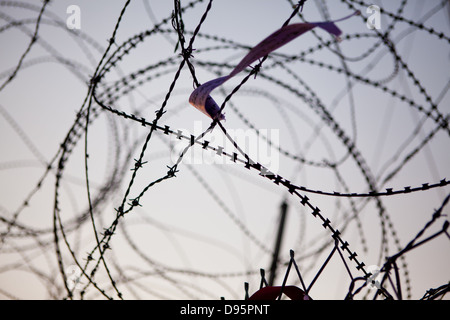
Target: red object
272,293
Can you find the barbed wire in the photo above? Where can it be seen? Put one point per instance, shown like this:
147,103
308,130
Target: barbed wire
111,206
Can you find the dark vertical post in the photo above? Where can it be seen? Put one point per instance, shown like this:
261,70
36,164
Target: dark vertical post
276,251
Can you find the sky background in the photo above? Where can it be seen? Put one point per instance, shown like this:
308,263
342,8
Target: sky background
204,233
